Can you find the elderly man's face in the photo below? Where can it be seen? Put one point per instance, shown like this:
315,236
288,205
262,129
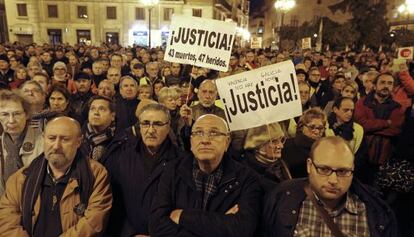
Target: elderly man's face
207,94
83,85
33,94
62,138
154,128
330,187
43,82
97,68
152,70
12,117
100,116
209,139
128,89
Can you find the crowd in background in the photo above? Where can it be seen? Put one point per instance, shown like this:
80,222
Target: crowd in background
362,97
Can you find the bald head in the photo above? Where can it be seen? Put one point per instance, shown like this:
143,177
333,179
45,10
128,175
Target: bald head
62,138
214,119
65,121
331,144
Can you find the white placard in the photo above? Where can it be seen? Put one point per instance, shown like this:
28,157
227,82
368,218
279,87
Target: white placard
262,96
405,53
256,43
201,42
307,43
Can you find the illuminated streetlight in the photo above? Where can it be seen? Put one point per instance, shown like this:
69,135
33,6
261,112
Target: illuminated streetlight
315,35
150,4
283,6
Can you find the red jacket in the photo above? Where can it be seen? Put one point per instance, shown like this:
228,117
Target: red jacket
379,132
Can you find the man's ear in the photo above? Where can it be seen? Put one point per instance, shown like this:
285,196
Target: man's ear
308,165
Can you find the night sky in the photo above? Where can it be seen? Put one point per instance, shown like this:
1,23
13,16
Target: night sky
255,4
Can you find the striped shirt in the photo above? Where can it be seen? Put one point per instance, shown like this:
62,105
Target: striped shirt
351,218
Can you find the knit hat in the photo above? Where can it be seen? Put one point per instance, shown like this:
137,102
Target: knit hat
260,135
59,64
4,58
82,75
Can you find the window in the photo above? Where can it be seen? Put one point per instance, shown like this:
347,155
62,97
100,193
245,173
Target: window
168,13
197,12
82,12
52,11
21,9
111,13
139,13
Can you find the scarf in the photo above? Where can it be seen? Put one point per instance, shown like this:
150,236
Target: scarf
345,130
206,184
35,174
381,110
98,140
13,161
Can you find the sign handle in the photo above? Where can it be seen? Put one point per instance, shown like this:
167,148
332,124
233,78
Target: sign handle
189,87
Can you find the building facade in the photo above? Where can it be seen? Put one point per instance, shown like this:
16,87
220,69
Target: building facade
266,22
112,21
3,22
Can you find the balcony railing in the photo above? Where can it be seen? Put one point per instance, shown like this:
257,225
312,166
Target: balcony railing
223,5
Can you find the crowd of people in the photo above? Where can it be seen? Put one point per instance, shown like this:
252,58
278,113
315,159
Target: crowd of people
116,141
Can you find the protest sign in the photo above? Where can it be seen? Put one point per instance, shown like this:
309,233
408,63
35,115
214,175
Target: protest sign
405,53
200,42
262,96
306,43
256,43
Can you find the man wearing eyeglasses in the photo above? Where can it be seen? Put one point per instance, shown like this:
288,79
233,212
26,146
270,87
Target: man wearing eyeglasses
209,194
136,159
297,207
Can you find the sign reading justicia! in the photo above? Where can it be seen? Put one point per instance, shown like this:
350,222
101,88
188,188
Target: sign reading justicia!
200,42
262,96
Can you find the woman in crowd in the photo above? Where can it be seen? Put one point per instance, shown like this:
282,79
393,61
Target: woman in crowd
59,100
263,151
311,127
20,76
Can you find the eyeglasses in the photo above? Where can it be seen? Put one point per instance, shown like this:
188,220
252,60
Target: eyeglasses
15,114
209,134
156,124
315,127
277,141
32,91
327,171
315,75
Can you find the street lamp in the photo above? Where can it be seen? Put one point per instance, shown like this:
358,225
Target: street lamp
150,4
283,6
407,8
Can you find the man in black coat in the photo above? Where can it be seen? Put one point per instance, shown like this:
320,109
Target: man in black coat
209,194
354,208
136,160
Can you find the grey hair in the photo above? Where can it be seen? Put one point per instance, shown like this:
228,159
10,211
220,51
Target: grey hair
156,107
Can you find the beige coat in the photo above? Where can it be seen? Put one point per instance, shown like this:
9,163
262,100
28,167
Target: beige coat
93,222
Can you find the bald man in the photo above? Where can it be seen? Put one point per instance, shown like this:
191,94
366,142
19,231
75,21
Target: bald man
293,208
61,193
207,194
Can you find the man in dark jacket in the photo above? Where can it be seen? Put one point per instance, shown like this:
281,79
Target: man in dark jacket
355,210
126,103
83,82
209,194
136,161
